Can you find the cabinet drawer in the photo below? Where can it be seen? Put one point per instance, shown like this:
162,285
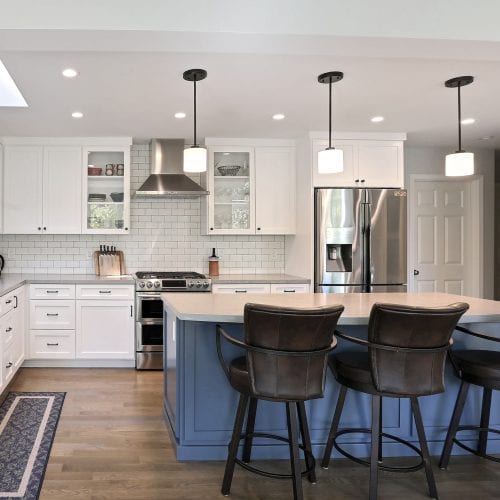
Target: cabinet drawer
7,303
52,314
289,288
8,364
52,344
7,329
241,288
52,292
105,292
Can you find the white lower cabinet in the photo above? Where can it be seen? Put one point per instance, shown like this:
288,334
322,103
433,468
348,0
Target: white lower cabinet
105,329
11,335
71,322
52,344
260,288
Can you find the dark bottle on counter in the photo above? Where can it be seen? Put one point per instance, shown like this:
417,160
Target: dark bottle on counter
213,264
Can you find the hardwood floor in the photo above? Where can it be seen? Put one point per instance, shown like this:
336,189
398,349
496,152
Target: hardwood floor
111,443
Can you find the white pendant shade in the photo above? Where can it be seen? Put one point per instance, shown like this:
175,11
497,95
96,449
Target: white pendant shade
458,164
330,161
195,159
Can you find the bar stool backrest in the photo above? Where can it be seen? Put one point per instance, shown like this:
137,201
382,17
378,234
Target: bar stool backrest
289,377
411,372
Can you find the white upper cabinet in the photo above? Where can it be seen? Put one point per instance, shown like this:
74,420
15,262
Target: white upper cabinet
275,190
47,188
367,163
62,190
251,185
22,190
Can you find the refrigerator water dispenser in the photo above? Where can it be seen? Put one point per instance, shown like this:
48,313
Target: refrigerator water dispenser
339,258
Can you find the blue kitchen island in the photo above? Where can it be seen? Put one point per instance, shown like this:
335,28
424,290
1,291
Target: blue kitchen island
200,405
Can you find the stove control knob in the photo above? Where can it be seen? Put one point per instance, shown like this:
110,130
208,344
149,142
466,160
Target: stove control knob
141,284
205,284
190,284
149,284
157,284
198,284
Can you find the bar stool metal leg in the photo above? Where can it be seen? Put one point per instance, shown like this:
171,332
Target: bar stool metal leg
306,441
334,427
233,447
380,434
485,421
375,438
291,417
423,446
247,447
455,421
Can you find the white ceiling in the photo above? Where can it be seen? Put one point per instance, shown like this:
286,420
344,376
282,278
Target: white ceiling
130,83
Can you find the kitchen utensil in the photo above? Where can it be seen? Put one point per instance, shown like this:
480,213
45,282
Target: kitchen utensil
118,197
229,169
92,170
110,169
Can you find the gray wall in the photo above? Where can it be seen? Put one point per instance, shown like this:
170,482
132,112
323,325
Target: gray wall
430,160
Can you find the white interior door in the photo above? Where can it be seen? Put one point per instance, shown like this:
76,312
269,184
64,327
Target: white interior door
441,228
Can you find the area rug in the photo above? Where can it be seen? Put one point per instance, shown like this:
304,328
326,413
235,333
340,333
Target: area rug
28,422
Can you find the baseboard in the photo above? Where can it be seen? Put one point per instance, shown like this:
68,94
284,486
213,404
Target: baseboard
79,363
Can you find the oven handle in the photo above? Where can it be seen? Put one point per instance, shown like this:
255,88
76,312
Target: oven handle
148,295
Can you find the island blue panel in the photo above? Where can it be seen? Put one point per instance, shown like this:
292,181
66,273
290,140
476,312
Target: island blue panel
202,407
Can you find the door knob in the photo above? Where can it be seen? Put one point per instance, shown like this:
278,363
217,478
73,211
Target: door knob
416,272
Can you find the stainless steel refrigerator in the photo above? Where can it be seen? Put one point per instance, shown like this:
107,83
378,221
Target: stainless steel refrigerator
360,240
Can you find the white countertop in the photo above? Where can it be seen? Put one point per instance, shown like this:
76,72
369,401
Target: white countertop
9,282
260,278
228,308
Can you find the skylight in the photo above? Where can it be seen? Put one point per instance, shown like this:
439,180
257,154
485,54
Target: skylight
9,93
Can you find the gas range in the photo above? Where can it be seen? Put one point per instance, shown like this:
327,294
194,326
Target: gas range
172,282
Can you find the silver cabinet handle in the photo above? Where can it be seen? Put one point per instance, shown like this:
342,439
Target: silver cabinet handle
8,301
131,311
52,345
52,314
52,291
289,291
8,329
8,365
104,291
240,291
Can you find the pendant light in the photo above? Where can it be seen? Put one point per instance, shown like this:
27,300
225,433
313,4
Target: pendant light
195,157
330,160
460,162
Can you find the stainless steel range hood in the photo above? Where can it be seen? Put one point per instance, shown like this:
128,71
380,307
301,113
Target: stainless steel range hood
167,178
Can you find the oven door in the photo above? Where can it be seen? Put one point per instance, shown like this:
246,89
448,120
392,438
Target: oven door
149,307
149,336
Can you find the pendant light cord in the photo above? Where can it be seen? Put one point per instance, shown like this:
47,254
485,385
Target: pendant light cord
194,82
459,120
330,114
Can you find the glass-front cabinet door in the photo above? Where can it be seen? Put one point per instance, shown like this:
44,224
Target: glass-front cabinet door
106,188
231,181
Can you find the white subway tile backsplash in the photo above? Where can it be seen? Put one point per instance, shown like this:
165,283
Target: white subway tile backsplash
164,236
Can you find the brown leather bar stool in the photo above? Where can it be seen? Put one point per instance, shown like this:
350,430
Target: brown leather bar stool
286,357
477,367
405,359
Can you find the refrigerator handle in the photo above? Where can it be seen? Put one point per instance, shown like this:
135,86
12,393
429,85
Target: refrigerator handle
366,221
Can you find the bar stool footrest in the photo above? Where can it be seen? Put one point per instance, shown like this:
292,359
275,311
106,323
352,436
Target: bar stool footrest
472,450
274,475
388,468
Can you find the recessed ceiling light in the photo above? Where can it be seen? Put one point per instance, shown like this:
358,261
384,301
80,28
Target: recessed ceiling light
9,93
77,114
180,115
377,119
70,73
279,116
468,121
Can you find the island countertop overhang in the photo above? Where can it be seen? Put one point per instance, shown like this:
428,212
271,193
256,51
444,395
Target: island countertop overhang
228,308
